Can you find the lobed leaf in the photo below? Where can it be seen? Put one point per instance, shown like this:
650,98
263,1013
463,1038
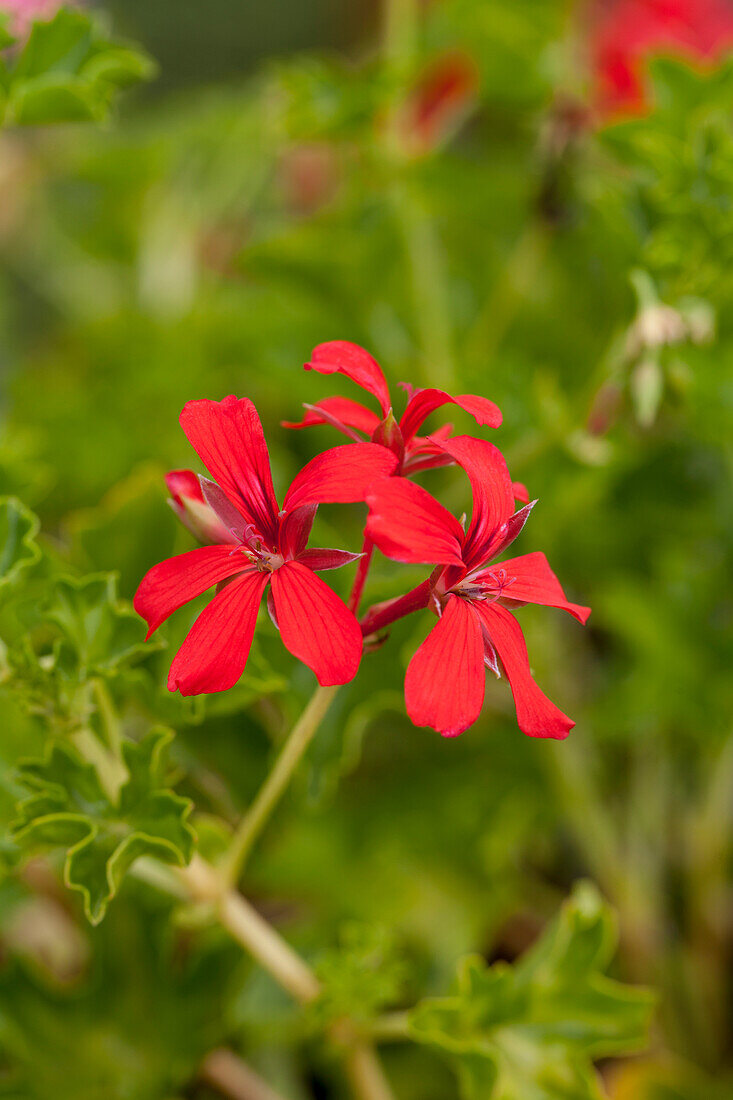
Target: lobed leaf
69,809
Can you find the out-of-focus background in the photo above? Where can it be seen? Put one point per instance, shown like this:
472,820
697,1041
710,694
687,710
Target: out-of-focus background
528,200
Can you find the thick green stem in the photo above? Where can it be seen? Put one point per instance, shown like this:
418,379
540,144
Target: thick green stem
272,789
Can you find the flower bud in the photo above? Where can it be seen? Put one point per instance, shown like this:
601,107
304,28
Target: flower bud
187,501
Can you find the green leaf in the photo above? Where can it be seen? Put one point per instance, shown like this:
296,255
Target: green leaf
531,1031
68,808
101,633
18,548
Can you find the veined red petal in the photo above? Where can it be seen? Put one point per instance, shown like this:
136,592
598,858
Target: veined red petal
327,559
341,475
216,648
445,681
506,534
175,581
340,412
493,497
228,438
343,357
530,580
424,402
408,524
536,714
315,625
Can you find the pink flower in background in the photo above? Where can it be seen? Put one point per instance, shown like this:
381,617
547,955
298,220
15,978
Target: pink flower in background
626,33
23,13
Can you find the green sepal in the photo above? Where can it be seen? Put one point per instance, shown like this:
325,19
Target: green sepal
69,809
531,1031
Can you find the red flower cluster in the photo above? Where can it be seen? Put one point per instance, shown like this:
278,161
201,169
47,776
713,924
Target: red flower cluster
626,33
255,544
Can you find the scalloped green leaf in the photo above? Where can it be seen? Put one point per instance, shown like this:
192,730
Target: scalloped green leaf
69,809
532,1031
18,546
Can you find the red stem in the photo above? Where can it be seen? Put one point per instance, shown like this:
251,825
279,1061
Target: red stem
362,572
382,614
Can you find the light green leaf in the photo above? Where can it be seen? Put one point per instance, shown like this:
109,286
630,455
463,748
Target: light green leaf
18,548
101,633
531,1031
69,809
67,71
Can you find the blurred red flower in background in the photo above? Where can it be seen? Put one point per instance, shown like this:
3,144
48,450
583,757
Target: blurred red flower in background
625,33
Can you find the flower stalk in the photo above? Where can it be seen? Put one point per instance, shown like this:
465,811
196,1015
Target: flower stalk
277,781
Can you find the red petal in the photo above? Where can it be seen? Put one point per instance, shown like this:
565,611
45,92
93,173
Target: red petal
315,625
227,436
521,492
338,411
408,524
533,582
175,581
423,402
445,681
341,475
340,356
536,714
327,559
493,498
215,650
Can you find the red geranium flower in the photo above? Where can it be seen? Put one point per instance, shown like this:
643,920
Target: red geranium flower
413,451
444,686
264,546
627,32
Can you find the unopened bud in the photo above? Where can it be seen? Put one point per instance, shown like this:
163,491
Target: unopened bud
187,501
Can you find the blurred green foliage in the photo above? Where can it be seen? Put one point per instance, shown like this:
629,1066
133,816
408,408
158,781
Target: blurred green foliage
203,246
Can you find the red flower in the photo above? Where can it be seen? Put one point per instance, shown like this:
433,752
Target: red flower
444,686
413,451
264,546
627,32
